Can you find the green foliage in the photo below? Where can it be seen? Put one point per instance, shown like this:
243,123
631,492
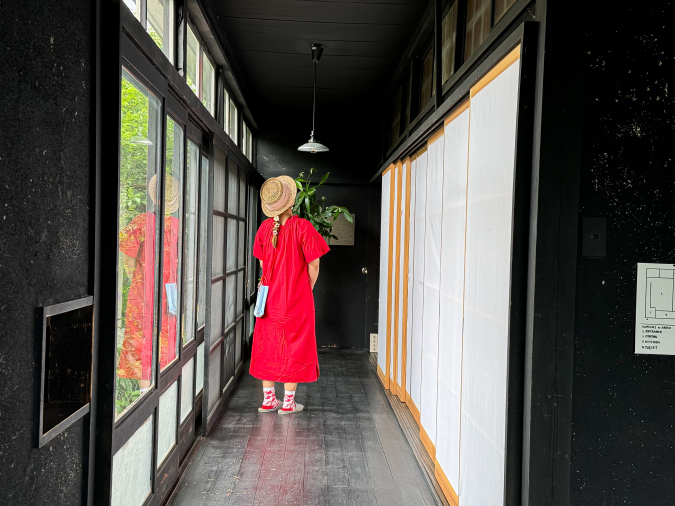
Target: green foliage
318,214
133,155
128,390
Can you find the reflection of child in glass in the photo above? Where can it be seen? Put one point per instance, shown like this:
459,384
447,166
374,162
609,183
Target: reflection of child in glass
137,245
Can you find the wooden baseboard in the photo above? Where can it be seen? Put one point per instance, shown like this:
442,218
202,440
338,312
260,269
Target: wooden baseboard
383,378
443,481
413,409
426,441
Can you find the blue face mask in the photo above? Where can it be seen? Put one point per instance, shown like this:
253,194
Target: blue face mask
260,301
172,298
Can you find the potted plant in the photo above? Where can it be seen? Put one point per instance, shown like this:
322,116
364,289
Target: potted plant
307,207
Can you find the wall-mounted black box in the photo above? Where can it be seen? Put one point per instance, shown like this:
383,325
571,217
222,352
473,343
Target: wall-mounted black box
64,366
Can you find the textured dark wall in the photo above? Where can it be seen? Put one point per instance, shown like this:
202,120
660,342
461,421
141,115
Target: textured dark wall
623,438
351,133
45,164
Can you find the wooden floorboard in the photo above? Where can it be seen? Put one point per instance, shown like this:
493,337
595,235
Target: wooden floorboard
344,449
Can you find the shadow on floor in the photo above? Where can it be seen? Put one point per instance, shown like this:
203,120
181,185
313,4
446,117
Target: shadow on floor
346,448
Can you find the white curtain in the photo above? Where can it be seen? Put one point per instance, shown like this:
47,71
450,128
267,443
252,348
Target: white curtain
432,276
418,278
489,221
452,296
411,282
384,265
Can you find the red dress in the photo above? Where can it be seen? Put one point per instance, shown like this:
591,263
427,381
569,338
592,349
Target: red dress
284,340
137,240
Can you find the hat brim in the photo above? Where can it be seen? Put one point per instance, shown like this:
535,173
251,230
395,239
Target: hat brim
290,182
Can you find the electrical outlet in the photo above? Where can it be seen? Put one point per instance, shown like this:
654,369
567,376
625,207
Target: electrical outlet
373,343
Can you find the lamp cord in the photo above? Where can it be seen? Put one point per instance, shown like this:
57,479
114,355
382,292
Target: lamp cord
314,105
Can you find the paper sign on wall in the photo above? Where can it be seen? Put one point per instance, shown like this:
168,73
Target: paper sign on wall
655,309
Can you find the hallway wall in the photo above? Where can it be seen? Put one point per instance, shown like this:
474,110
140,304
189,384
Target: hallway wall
623,403
45,228
340,297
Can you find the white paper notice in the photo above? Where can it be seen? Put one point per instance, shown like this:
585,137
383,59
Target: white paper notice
655,309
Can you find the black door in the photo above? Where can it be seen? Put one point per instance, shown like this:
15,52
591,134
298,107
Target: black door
340,293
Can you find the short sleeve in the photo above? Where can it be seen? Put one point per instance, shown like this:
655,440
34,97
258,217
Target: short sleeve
133,235
258,248
313,245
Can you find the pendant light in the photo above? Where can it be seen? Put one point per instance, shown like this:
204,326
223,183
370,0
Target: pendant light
313,146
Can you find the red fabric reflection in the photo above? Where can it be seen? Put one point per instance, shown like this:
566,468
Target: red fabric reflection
137,240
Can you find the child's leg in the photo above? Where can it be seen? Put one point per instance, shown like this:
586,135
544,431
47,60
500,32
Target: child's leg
290,405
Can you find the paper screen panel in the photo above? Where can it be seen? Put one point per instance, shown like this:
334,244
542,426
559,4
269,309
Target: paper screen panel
218,247
393,228
199,382
411,281
132,468
166,431
452,296
492,143
418,278
401,273
186,395
219,176
216,310
384,265
432,276
214,377
232,187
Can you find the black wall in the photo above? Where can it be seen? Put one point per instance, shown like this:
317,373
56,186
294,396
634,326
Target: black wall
623,435
45,217
350,130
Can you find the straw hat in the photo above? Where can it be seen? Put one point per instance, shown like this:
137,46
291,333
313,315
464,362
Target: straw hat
171,193
277,194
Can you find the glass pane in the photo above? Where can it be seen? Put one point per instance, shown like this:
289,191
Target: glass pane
190,234
232,187
426,88
240,293
226,111
501,6
231,298
200,369
192,63
233,121
166,430
238,341
252,222
241,244
134,7
216,310
396,118
449,30
186,396
208,84
173,244
132,468
159,25
228,359
218,247
219,181
231,244
477,25
242,194
214,377
203,229
140,159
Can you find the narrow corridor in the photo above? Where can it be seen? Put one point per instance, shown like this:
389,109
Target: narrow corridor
346,448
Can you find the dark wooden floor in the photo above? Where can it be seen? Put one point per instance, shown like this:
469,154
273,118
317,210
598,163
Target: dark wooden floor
346,448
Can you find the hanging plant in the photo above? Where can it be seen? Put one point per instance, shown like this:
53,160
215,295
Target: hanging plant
307,207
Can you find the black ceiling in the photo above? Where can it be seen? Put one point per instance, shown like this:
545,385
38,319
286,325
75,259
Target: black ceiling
271,41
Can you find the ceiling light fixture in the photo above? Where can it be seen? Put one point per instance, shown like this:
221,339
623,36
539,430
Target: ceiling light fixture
313,146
